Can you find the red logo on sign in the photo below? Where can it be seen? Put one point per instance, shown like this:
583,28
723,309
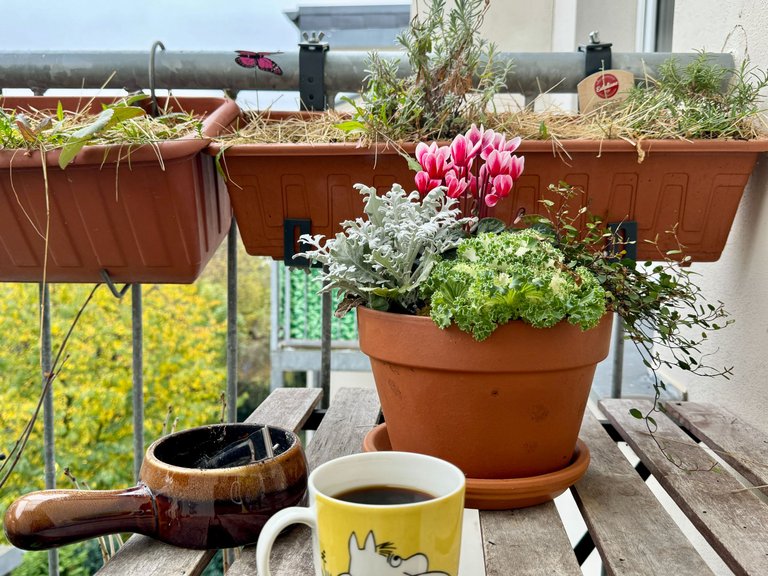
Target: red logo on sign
606,86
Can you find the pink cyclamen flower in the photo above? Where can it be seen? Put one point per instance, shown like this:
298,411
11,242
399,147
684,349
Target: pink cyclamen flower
491,200
425,184
516,166
461,149
456,186
475,135
491,142
498,163
487,140
513,144
422,149
502,184
488,180
474,138
435,163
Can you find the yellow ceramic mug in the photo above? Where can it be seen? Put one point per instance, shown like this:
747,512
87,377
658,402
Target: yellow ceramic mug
420,537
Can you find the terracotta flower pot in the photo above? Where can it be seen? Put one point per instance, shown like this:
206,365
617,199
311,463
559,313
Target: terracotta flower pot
695,184
508,407
146,214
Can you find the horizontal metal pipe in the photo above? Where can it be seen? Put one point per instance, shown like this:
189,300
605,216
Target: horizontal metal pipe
532,72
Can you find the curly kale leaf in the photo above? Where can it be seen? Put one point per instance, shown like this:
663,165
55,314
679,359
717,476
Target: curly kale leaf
496,278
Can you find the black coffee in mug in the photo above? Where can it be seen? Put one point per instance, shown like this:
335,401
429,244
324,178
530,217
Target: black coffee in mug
383,495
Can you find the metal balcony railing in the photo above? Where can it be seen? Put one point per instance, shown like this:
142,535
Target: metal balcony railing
531,75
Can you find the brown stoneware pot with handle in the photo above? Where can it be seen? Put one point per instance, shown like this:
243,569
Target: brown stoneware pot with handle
194,492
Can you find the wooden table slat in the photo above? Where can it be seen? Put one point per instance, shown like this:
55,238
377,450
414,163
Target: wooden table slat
351,414
734,522
527,541
630,528
286,408
144,556
741,445
633,532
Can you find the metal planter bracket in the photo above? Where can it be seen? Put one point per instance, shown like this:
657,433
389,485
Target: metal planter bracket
312,71
292,229
597,55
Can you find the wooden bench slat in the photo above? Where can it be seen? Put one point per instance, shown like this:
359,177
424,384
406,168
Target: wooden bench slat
527,541
143,556
286,408
630,528
350,416
733,521
741,445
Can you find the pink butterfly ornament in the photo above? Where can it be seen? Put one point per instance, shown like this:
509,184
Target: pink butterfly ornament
260,60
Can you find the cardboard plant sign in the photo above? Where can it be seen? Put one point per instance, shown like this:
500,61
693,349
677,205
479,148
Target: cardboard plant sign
604,87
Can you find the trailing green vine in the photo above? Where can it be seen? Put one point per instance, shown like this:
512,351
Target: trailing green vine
665,314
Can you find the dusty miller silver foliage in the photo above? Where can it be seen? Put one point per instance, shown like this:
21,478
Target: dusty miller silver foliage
384,258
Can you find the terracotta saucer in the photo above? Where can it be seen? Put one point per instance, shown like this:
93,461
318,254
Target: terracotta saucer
502,494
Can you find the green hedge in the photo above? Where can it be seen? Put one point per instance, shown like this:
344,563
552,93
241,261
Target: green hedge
306,304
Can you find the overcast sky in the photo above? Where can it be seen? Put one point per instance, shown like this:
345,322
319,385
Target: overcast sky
257,25
182,25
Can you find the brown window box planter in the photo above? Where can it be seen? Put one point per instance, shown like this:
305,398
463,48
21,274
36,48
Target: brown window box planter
126,213
694,184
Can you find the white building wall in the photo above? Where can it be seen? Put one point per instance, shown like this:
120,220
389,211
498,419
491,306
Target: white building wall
556,25
614,19
513,25
740,277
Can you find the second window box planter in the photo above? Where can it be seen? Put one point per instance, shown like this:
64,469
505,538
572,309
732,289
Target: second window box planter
149,213
693,185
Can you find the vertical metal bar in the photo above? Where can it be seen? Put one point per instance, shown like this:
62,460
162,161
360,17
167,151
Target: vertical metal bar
529,99
48,420
325,347
287,304
232,323
306,297
276,372
274,296
229,554
618,357
137,332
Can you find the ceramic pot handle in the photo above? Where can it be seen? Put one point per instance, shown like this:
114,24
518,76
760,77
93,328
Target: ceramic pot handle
273,527
51,518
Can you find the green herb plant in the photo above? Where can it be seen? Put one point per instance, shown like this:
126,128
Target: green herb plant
118,123
699,100
454,76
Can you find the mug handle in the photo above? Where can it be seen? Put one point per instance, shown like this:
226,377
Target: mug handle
276,524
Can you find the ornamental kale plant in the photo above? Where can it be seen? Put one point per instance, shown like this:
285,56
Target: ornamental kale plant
412,255
382,260
496,278
479,167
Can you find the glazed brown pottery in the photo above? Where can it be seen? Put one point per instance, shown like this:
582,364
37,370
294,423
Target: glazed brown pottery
508,407
175,501
694,184
150,213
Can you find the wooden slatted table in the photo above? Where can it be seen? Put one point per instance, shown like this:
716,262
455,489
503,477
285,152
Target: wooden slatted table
626,521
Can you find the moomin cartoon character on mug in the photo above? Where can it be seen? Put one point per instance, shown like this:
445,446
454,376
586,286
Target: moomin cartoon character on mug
381,560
